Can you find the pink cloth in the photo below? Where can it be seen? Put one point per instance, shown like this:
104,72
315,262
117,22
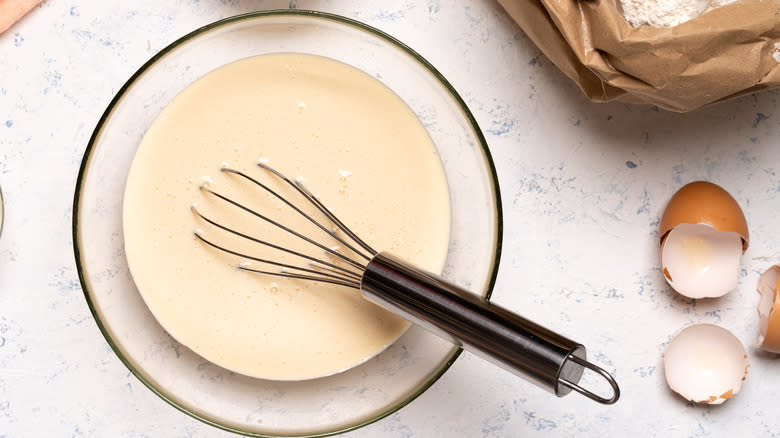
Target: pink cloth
12,10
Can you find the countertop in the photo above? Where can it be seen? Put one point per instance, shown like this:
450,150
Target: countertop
583,187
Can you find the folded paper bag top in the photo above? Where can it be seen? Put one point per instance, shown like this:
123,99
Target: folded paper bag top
727,52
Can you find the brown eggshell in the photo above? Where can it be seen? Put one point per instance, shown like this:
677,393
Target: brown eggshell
768,286
702,202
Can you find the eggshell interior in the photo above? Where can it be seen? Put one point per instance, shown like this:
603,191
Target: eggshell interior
701,262
705,363
702,202
769,310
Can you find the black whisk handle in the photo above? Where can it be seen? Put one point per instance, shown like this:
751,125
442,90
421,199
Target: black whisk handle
523,347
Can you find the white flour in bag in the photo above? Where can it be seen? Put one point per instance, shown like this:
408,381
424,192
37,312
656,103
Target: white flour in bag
665,13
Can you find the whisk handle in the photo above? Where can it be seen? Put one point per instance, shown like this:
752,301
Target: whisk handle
523,347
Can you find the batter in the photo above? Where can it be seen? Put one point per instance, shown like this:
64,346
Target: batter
361,150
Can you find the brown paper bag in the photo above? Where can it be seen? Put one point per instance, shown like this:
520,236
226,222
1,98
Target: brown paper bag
727,52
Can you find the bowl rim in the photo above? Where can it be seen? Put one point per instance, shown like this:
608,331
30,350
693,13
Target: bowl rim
228,21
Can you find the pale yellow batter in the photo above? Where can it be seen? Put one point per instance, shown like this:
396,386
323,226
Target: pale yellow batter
360,149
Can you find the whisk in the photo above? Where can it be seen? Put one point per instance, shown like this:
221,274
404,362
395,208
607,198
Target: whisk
551,361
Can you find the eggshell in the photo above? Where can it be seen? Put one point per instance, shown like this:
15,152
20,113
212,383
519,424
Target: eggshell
700,262
702,202
705,363
769,310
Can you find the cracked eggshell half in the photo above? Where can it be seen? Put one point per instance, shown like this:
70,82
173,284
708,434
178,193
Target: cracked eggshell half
703,234
705,363
769,310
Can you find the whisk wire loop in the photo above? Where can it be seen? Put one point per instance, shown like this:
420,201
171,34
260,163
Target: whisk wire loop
328,278
340,282
319,269
283,227
306,194
335,268
321,207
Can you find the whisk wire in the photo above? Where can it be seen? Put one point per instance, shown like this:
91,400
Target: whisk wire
323,209
320,206
335,268
325,269
318,270
285,228
299,211
325,276
340,282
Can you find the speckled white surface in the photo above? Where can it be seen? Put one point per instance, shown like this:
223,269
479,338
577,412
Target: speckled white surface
583,186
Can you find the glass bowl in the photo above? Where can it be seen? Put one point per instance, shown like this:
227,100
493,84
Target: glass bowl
216,396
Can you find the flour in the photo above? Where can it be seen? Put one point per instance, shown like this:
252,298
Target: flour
665,13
